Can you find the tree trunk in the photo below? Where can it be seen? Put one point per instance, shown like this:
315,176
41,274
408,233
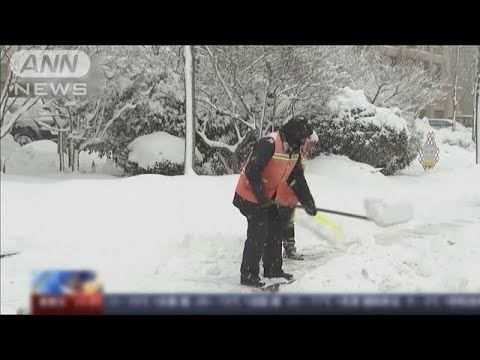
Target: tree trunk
274,112
235,166
264,106
455,87
64,165
477,125
454,118
189,66
70,155
60,150
474,129
75,160
476,110
229,170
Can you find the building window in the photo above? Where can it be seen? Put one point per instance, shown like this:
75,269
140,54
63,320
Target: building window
438,114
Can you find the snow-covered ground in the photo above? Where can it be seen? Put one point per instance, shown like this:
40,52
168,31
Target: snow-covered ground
153,233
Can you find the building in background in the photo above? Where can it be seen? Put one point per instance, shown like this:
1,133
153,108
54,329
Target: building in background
439,59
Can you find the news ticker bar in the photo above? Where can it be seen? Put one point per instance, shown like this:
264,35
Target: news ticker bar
467,304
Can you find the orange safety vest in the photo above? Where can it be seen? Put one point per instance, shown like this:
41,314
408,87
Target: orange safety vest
274,175
286,193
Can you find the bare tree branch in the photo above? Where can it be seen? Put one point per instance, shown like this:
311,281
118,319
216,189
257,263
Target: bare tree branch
226,112
100,138
219,76
218,144
9,119
261,57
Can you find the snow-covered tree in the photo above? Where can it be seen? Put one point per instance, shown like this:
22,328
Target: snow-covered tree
476,105
88,118
12,104
455,73
401,83
461,70
155,81
245,91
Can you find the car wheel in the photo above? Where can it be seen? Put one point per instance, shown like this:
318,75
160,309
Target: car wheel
24,138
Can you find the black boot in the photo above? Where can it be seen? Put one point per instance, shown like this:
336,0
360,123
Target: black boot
291,253
249,279
278,274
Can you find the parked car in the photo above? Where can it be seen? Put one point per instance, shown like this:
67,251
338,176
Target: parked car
30,127
445,123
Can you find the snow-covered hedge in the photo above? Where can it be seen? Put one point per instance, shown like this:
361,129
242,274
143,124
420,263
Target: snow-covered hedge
456,138
157,153
377,136
461,137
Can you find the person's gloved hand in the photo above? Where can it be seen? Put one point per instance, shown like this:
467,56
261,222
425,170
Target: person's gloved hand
311,210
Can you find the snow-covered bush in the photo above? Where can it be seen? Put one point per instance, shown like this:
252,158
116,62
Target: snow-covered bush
377,136
157,153
461,137
455,138
402,82
152,82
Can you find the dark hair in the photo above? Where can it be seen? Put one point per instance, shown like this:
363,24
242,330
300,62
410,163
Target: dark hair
296,130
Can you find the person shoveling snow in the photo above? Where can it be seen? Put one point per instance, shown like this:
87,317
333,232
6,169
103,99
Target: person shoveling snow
270,175
274,161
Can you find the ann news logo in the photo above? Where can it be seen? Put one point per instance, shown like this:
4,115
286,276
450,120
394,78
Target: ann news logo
58,70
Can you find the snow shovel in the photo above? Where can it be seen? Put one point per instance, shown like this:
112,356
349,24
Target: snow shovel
379,212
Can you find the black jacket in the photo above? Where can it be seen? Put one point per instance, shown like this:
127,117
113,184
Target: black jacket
261,154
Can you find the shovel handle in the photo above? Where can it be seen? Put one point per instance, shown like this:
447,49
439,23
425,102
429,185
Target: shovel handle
363,217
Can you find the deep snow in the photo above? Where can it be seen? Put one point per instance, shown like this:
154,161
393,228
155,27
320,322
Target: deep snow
153,233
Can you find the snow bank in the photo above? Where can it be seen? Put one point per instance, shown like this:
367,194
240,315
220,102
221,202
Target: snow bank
38,157
456,138
348,100
41,158
461,137
8,147
158,147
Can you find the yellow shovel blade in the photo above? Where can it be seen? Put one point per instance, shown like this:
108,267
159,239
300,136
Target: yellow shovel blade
322,219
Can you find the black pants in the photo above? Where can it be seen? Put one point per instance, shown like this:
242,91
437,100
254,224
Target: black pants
264,238
287,216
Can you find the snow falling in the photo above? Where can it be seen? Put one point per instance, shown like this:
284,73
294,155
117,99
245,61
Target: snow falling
158,230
